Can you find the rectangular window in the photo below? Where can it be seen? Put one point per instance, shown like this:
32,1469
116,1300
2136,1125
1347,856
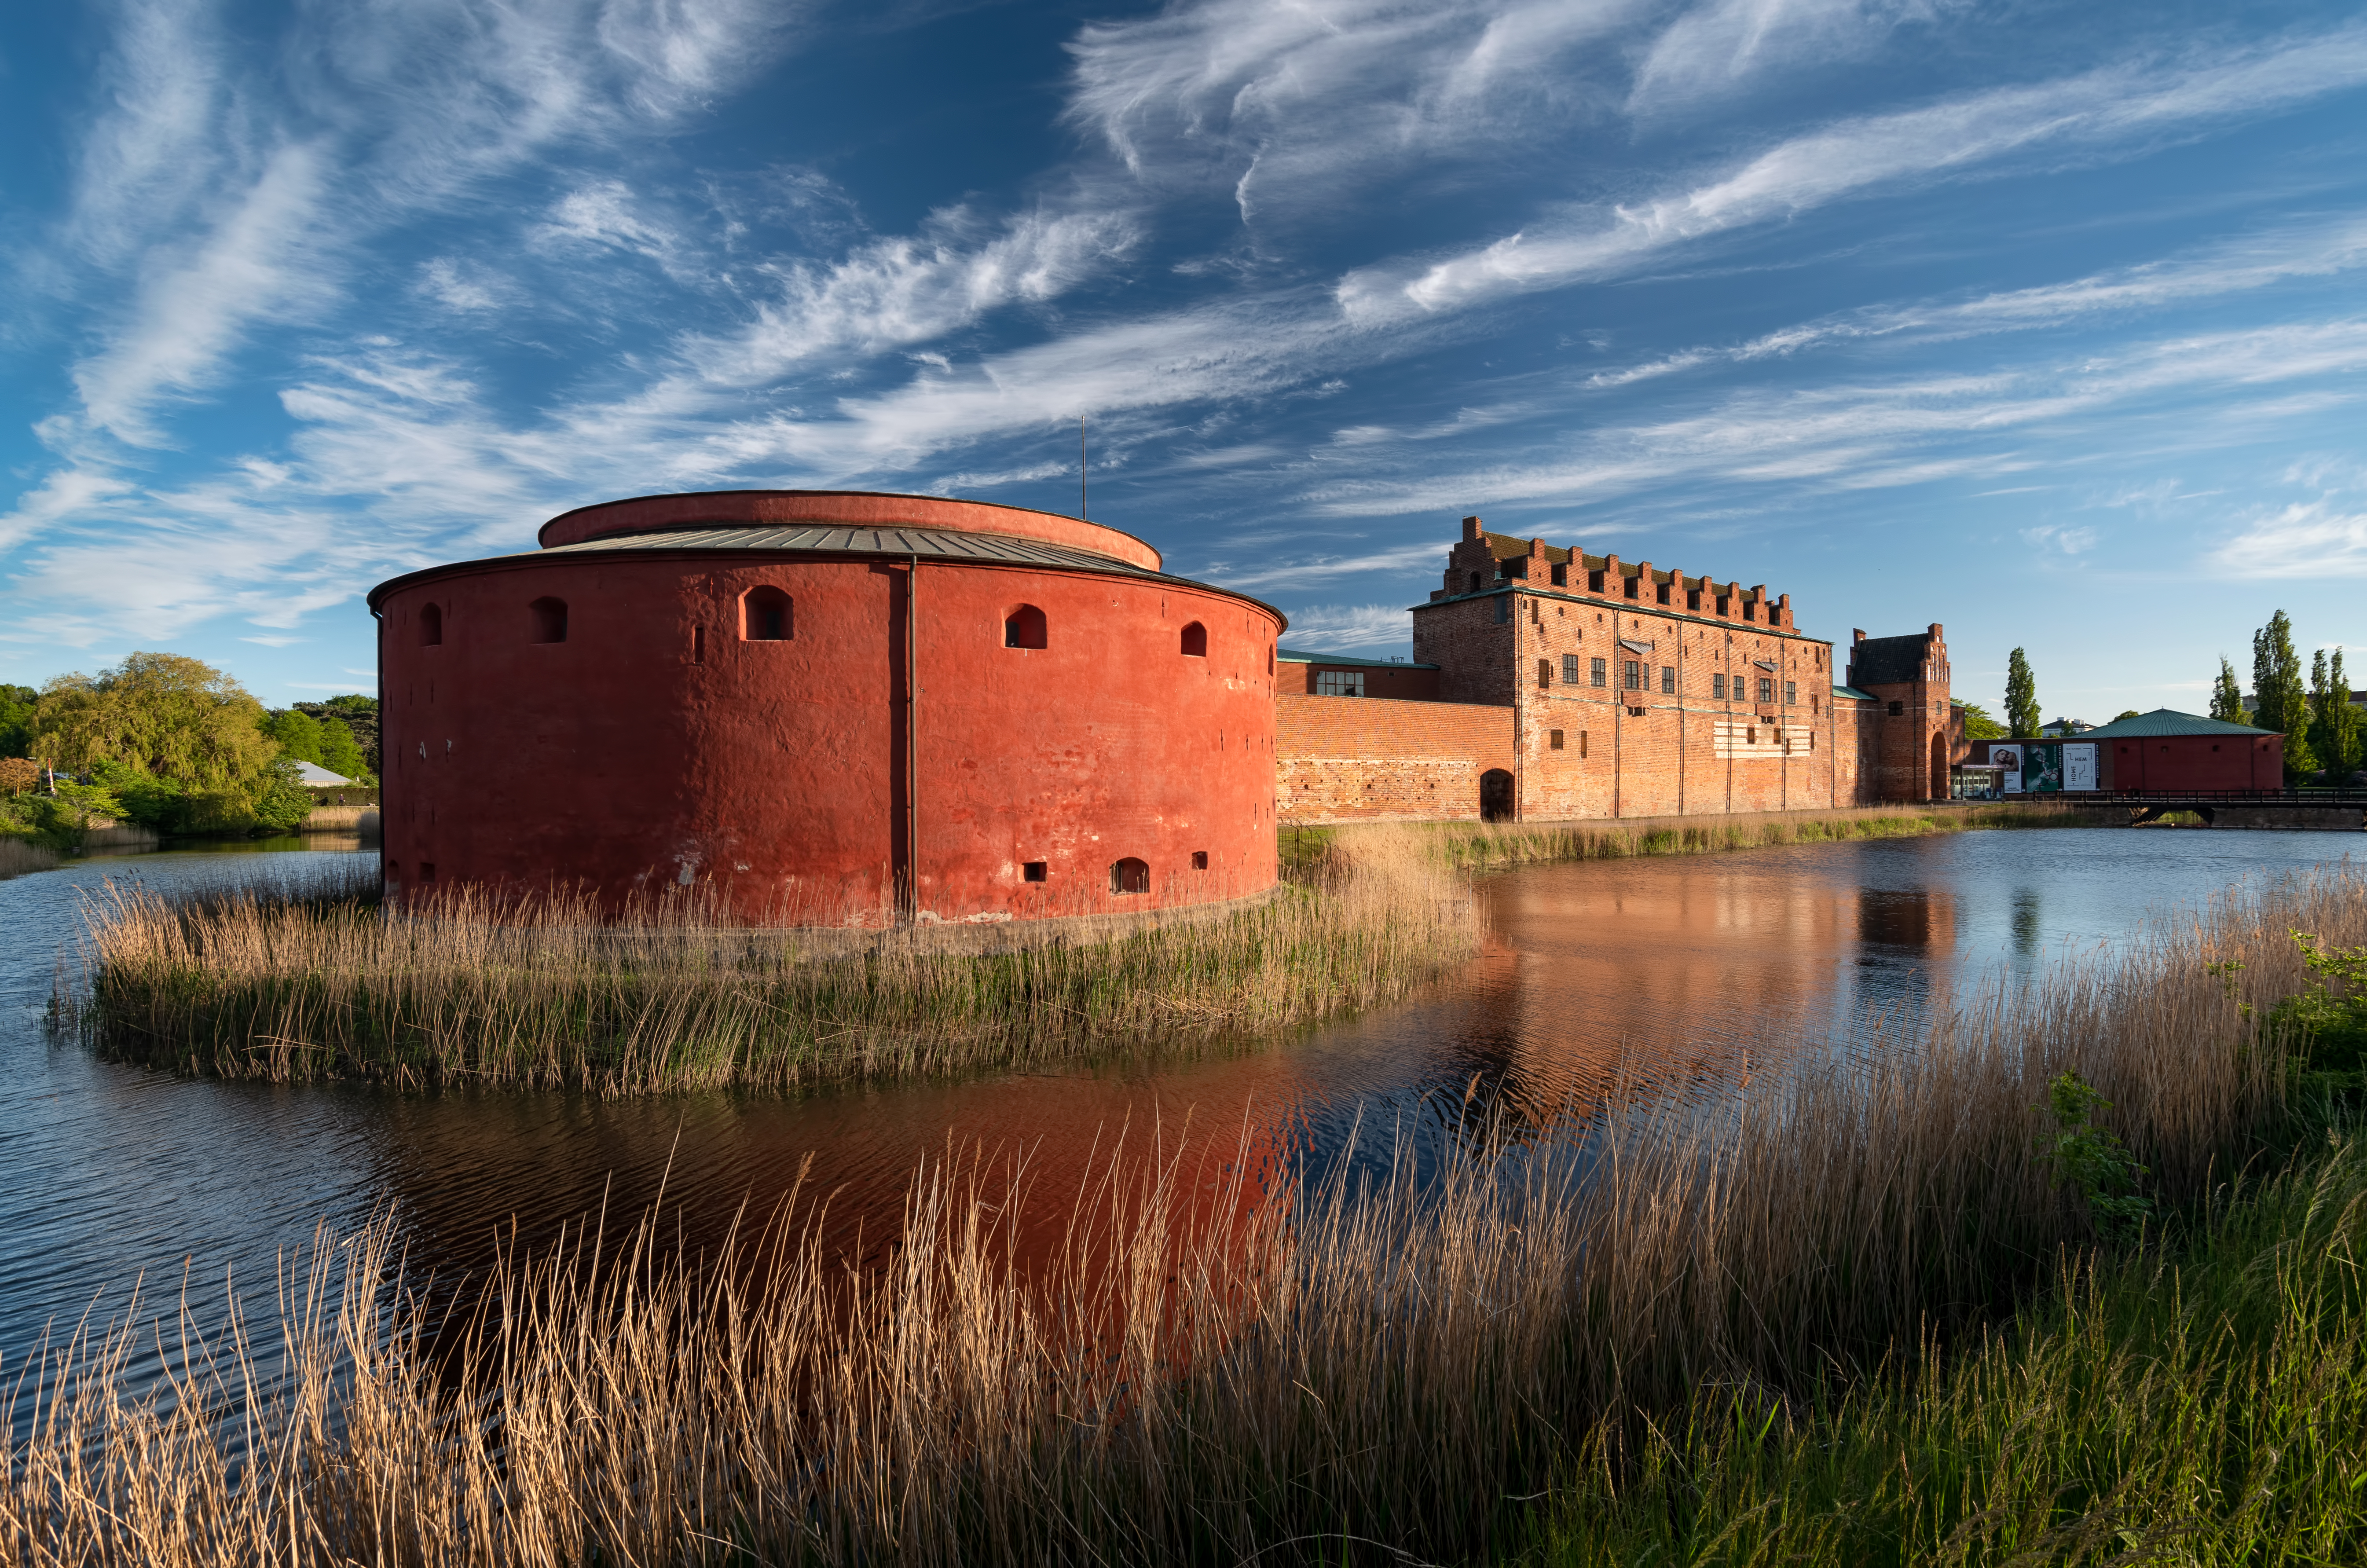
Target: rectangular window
1635,676
1602,673
1767,689
1718,685
1553,739
1199,860
1339,683
1035,870
1668,680
1569,676
1544,672
1503,608
1791,694
1581,744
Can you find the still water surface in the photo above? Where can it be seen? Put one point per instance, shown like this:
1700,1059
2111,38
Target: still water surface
1659,972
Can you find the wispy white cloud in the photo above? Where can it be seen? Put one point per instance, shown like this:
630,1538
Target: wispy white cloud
1713,48
2304,540
1969,134
1350,626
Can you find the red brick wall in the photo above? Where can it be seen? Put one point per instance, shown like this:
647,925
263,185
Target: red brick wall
1349,759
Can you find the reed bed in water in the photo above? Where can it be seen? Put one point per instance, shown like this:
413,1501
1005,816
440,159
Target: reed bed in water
19,858
311,985
1484,845
1192,1371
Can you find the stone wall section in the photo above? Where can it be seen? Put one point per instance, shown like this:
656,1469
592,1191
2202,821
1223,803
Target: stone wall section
1374,759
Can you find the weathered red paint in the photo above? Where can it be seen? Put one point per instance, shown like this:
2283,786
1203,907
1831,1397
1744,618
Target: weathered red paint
655,747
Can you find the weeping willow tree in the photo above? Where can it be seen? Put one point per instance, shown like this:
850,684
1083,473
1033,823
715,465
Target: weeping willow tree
174,738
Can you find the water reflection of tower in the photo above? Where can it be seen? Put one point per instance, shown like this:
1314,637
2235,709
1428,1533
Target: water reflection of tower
2025,922
1916,920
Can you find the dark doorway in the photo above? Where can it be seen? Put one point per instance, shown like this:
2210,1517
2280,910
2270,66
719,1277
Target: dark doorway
1496,796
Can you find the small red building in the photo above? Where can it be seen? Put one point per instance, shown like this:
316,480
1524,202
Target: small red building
833,708
2166,751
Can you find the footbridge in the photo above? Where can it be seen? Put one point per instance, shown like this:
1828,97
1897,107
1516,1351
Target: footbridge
2338,810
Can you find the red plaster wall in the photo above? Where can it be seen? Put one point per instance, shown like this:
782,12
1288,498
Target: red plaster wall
1348,759
777,771
841,508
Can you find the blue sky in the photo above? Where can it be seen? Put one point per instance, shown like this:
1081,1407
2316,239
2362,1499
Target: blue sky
2042,321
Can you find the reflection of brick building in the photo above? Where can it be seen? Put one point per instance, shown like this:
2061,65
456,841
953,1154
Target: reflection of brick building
1570,685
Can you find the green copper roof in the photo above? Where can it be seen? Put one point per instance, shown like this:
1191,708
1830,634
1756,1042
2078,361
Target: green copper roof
1300,657
1853,691
2168,722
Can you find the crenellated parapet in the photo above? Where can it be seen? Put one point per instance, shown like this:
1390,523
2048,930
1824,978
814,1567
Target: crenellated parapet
1482,562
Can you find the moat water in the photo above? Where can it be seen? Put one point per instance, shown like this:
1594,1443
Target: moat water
1675,974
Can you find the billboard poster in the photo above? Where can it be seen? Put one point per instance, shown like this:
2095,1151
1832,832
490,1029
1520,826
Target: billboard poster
2009,758
2042,770
2080,765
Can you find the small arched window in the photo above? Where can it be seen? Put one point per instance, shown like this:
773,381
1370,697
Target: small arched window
1023,628
766,615
548,619
431,626
1130,876
1196,641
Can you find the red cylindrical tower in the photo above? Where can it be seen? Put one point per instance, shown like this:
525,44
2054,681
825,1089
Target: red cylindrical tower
833,708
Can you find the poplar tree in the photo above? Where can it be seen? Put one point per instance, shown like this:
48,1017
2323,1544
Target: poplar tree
2022,714
2283,702
2338,729
2227,698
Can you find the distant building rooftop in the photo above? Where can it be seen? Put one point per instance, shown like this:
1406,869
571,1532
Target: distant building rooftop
2169,722
1300,657
312,776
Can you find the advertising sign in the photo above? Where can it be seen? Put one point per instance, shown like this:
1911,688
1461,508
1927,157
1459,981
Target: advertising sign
2079,766
2009,758
2042,770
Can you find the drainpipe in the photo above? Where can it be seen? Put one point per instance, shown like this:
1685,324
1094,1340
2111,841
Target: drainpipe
911,892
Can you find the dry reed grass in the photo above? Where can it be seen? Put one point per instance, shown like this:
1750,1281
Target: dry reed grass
1384,1371
1482,846
363,820
122,837
548,996
19,858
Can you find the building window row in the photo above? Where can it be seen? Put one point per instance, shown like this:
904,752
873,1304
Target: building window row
1339,683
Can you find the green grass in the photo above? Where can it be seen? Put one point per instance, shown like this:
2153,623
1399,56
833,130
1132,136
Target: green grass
2199,1400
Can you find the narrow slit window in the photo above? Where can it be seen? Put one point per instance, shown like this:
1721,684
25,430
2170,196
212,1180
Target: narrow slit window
1581,746
1130,876
1025,628
1196,641
766,615
548,619
431,625
699,644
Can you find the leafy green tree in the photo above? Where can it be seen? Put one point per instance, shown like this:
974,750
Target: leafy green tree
360,715
2283,702
2336,728
1978,725
2022,714
340,753
2126,714
299,734
165,714
2227,698
284,803
17,720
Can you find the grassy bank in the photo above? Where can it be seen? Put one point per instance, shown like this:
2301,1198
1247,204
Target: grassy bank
2198,1403
1377,1373
1492,846
316,986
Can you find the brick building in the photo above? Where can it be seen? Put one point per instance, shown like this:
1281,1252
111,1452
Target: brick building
1565,685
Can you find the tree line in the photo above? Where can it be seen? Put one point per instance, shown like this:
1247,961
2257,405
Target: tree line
173,744
2324,730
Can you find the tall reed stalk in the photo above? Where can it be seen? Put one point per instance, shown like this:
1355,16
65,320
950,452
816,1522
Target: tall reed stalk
1485,846
1193,1370
311,985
